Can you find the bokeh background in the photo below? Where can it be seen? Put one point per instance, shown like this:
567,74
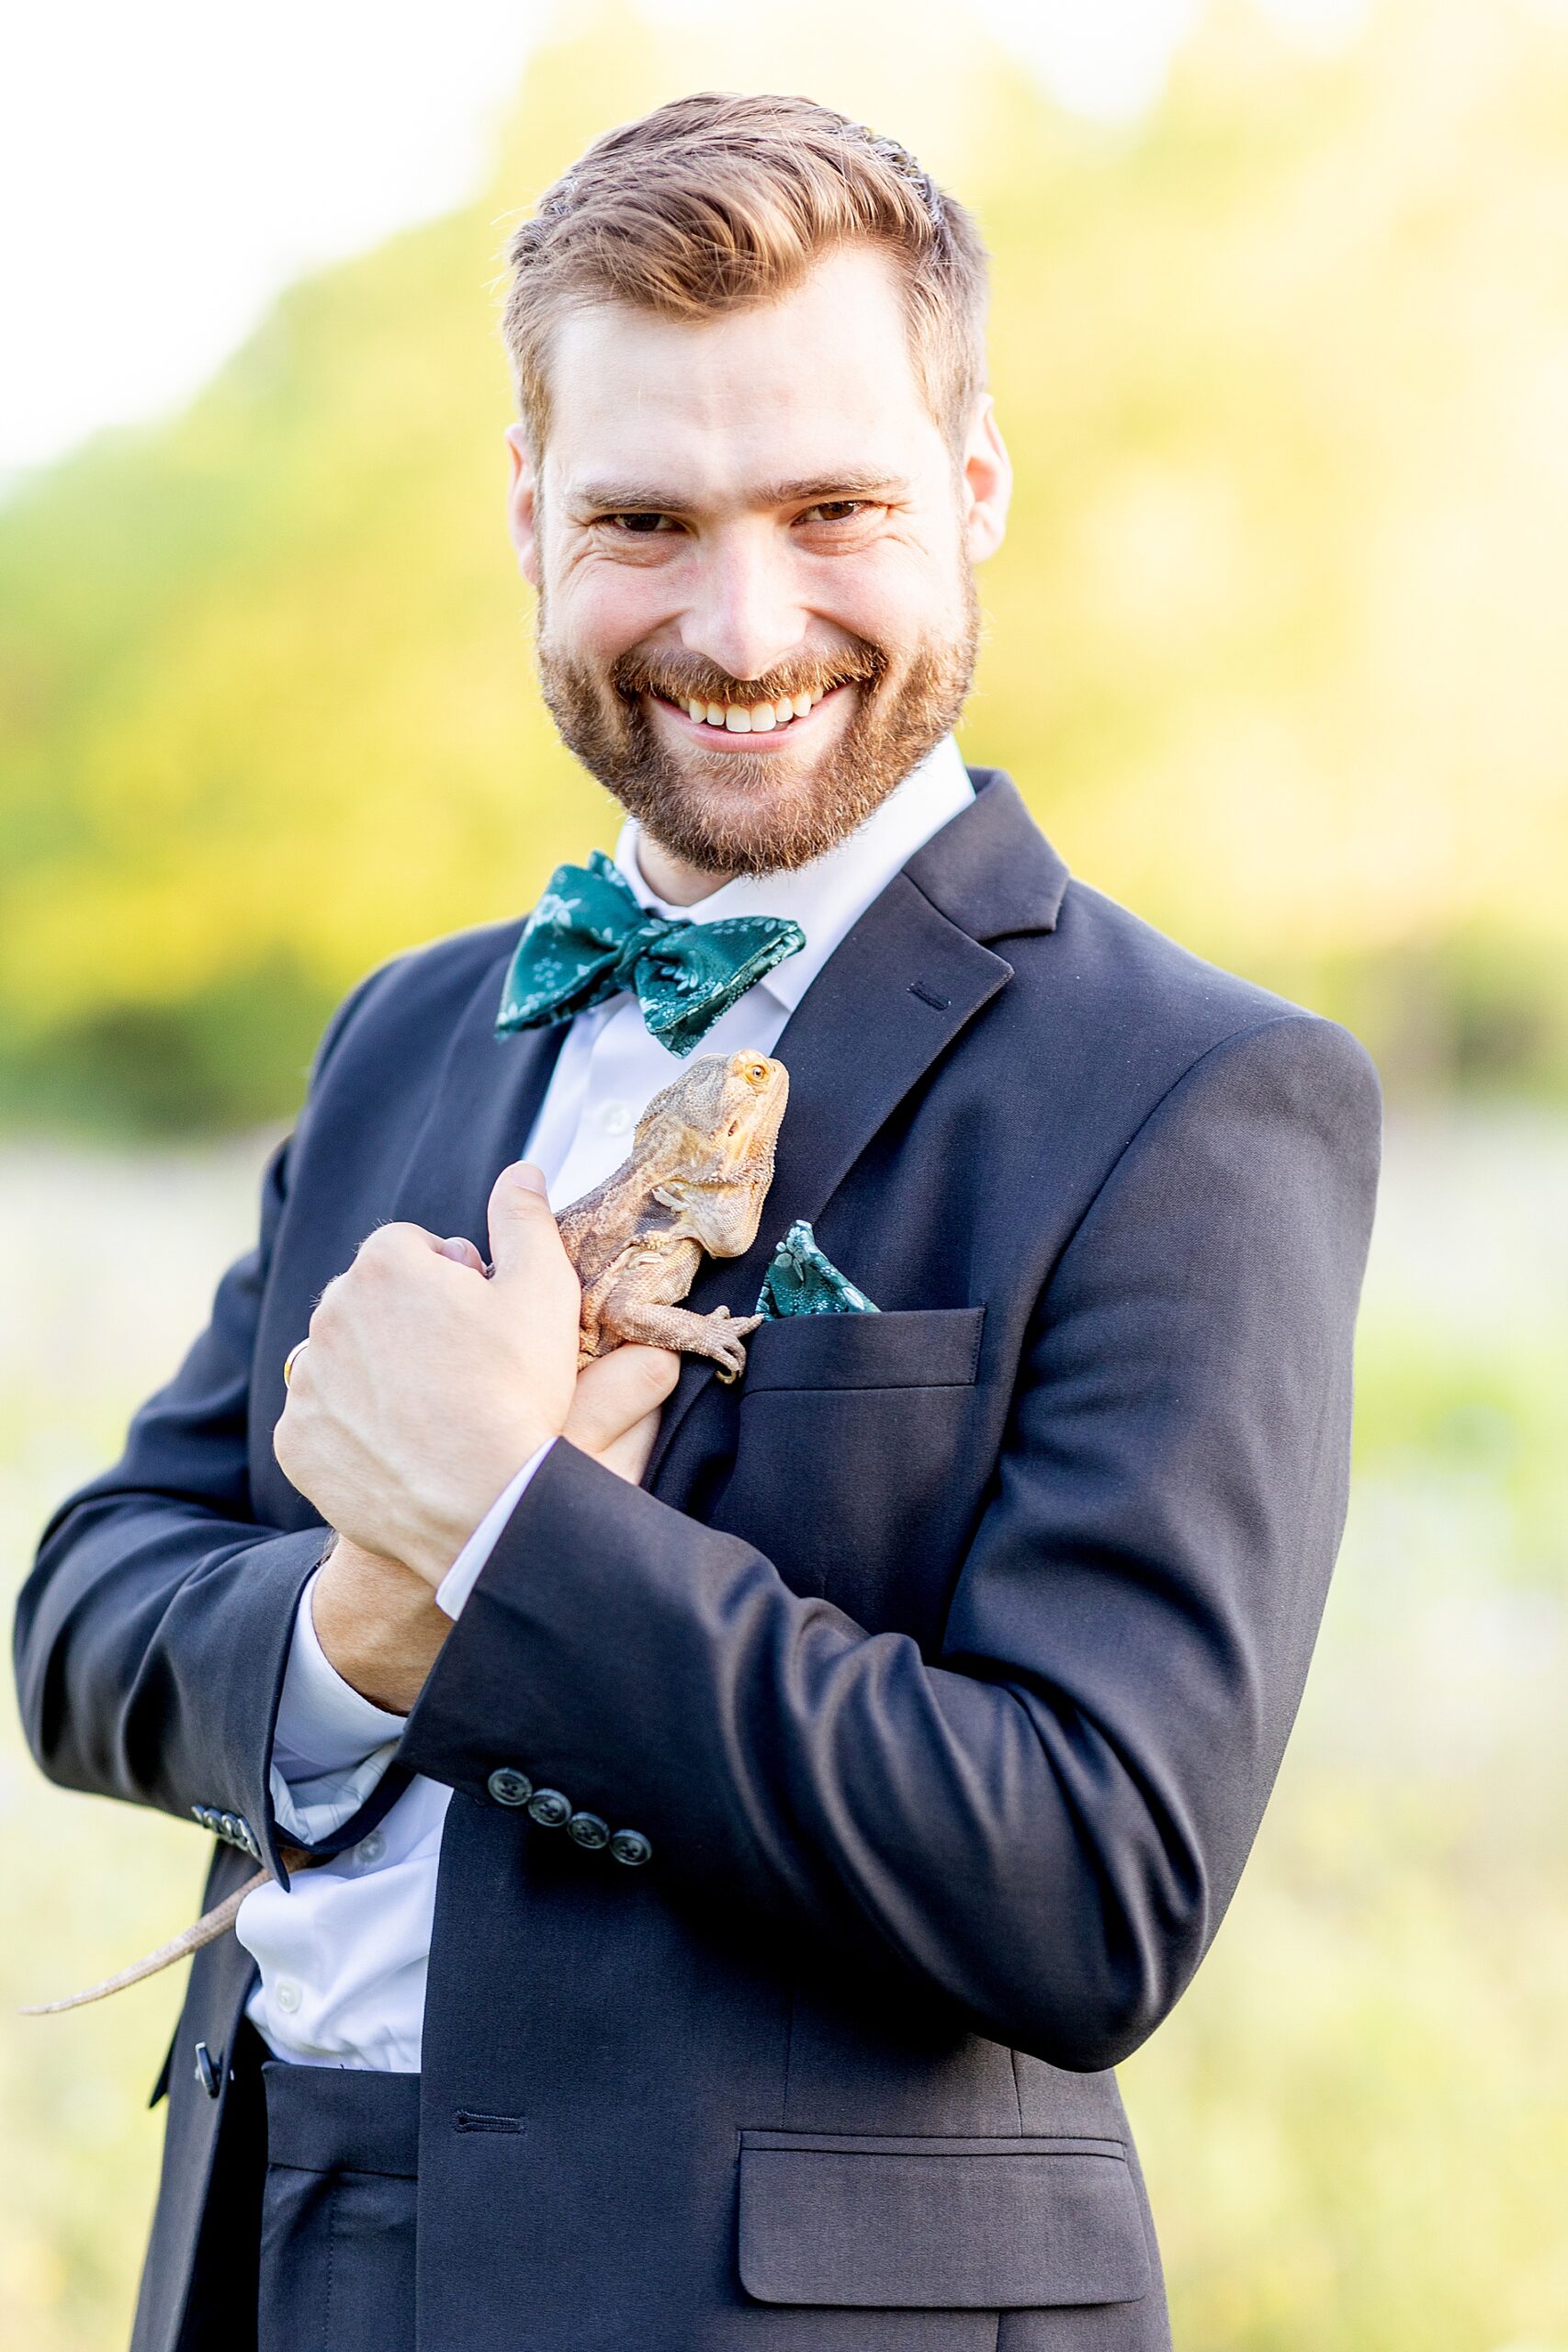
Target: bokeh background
1275,650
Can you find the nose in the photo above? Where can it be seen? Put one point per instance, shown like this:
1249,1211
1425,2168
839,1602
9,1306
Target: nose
743,616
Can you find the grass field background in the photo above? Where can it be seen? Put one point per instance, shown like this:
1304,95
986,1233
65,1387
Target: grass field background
1355,2125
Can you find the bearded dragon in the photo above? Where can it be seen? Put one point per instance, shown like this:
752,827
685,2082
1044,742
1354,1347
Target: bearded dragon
695,1181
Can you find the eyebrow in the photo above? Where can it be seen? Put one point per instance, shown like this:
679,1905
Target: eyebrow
644,498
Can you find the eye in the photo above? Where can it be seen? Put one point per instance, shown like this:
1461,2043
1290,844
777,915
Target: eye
837,510
637,525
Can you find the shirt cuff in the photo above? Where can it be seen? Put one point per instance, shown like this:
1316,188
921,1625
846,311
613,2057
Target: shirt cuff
464,1573
330,1744
310,1810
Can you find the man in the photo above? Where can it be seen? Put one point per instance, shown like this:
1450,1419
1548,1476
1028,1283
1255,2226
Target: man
751,1820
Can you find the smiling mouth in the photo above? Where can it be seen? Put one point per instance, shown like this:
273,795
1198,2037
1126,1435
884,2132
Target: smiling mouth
769,720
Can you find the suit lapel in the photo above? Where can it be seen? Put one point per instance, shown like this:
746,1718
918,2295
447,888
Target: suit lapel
890,1000
894,996
478,1118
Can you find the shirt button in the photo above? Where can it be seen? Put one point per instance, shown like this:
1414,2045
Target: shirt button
615,1118
288,1995
371,1849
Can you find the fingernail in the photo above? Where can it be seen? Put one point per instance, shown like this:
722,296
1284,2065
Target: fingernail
527,1177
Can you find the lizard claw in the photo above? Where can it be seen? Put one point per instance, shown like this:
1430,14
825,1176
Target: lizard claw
729,1350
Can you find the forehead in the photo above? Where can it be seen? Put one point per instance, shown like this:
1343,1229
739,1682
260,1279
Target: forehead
817,384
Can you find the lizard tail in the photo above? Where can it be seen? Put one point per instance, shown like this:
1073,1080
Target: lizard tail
204,1931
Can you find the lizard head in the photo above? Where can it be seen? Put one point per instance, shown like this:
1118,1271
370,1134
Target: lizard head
710,1135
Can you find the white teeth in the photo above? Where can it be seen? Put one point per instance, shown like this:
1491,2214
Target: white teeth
751,718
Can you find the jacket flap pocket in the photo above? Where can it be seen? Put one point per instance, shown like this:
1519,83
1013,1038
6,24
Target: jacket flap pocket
929,1347
931,2225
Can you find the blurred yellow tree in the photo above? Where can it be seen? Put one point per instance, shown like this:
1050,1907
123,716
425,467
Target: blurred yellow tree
1271,647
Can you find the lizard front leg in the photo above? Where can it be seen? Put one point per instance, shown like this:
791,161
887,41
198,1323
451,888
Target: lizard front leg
720,1336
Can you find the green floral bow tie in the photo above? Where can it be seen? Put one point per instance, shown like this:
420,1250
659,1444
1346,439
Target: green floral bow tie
588,938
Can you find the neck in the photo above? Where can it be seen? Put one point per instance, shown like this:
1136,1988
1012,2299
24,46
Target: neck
670,878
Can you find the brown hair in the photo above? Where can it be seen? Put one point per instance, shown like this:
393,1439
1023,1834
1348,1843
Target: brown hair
719,201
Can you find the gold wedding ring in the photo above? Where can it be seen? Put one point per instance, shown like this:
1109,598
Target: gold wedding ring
292,1358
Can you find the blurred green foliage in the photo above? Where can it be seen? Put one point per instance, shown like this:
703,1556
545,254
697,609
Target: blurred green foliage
1272,645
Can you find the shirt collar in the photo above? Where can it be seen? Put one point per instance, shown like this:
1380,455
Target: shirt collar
827,898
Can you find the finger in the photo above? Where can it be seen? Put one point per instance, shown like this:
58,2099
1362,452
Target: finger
458,1247
628,1456
616,1391
525,1246
393,1240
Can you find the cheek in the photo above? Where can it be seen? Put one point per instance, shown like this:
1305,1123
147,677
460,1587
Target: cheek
897,594
599,610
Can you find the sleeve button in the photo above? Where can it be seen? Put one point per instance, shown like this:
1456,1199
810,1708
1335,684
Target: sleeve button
629,1846
508,1786
589,1830
549,1808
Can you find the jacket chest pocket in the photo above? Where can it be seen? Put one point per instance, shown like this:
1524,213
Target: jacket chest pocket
855,1466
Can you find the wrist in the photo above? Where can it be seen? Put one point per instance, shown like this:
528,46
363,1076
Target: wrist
377,1623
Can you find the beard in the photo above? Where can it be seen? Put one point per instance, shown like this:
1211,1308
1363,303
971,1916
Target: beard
718,814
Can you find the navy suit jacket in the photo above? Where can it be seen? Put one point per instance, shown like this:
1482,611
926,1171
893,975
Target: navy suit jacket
944,1663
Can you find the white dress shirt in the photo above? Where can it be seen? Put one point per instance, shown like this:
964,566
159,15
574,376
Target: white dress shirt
344,1953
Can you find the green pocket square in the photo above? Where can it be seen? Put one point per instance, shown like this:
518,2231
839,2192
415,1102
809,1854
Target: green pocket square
801,1281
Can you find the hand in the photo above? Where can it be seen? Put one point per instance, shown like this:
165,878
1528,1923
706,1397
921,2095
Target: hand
426,1386
379,1625
616,1405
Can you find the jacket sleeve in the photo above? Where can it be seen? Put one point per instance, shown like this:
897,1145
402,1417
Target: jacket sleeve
1045,1824
153,1579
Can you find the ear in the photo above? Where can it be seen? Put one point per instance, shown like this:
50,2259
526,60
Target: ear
521,504
986,476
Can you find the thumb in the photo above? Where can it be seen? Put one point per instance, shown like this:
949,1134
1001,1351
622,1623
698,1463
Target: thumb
523,1240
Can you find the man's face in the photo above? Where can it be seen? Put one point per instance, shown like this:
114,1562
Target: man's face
753,515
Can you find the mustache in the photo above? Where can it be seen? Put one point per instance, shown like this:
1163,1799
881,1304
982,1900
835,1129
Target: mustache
682,680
